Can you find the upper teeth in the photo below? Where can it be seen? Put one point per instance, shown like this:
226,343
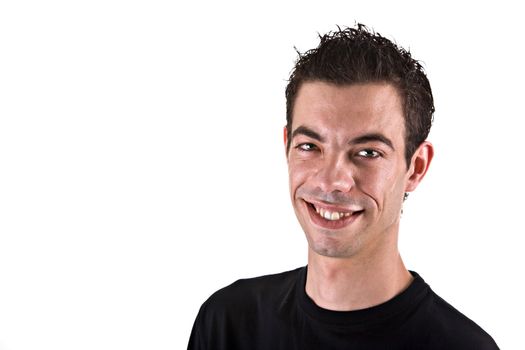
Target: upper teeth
331,215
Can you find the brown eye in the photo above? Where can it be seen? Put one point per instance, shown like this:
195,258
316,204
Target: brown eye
306,147
368,153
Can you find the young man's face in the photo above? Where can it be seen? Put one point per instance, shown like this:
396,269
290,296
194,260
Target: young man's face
347,168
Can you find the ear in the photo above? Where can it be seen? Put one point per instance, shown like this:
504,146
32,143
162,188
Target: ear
285,138
419,165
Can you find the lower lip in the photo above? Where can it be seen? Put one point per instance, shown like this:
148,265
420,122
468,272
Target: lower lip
329,224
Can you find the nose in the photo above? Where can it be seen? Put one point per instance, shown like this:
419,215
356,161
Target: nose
335,174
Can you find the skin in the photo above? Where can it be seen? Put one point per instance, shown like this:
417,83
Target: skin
347,155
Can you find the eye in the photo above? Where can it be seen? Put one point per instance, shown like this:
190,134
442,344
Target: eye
306,147
368,153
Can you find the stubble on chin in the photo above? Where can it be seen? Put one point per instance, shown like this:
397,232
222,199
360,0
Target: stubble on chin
334,247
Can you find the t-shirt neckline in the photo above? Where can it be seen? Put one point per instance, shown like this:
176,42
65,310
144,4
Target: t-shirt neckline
397,307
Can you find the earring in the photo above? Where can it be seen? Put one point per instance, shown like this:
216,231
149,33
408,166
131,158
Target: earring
405,196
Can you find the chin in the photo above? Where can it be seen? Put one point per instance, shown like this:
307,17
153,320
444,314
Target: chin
332,247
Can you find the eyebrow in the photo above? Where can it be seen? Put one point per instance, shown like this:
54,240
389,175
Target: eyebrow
306,131
372,137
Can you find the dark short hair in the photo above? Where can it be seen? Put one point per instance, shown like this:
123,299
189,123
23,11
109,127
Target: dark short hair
359,55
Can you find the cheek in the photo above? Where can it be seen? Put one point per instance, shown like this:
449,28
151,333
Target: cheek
299,172
378,183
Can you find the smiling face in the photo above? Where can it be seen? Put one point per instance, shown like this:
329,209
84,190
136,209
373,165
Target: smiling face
347,168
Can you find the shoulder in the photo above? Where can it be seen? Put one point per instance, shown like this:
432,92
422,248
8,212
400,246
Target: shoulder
234,314
453,330
250,293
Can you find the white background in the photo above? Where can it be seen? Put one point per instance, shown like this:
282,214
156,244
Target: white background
142,165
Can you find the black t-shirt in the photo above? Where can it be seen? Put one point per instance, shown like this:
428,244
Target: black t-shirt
274,312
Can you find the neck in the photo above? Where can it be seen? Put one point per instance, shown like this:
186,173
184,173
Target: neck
345,284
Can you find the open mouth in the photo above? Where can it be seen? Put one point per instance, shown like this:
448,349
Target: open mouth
332,218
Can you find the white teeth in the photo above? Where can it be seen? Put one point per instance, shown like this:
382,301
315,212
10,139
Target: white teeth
332,216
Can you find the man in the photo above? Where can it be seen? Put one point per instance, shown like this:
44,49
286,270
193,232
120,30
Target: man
359,110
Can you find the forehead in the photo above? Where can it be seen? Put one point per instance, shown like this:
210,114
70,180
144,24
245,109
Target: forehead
349,109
